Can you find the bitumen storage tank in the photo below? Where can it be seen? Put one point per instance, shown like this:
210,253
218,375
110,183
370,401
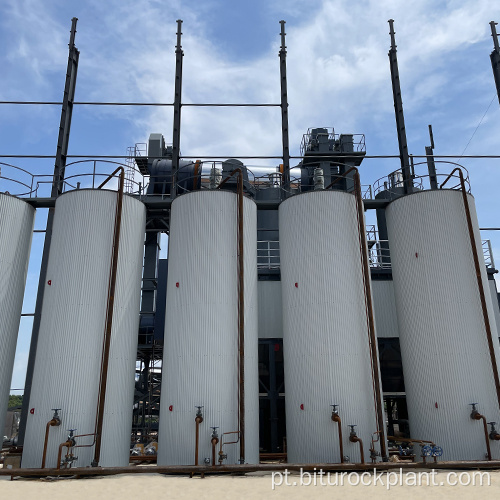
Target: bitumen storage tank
326,344
16,229
446,358
69,356
201,350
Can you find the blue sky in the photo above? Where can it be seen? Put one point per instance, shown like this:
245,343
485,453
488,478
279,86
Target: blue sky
338,75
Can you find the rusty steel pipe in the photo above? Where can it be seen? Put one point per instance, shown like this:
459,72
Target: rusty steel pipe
214,446
54,422
68,444
336,418
480,287
241,313
228,442
198,420
109,314
477,416
356,439
371,321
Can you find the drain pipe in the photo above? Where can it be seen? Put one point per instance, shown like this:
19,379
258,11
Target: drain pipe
198,420
55,422
475,415
222,455
69,443
109,315
241,314
336,418
353,438
214,441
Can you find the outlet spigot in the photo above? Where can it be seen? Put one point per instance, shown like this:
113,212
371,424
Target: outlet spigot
494,434
214,432
335,413
56,420
352,434
199,415
475,415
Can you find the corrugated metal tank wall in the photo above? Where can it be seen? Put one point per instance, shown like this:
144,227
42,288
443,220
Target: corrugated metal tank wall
67,366
325,334
16,228
201,350
444,348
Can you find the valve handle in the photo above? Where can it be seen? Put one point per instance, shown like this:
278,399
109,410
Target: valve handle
437,451
426,451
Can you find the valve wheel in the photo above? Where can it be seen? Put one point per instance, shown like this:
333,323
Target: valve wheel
427,451
437,451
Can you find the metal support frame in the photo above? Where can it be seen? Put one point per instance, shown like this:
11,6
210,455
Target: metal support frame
284,111
398,109
57,188
495,57
176,133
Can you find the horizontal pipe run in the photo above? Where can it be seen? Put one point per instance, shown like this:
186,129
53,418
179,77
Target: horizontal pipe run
246,468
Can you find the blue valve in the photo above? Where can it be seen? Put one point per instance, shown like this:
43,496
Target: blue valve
437,451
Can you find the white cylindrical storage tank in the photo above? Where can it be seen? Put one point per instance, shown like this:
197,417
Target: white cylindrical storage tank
444,348
200,360
68,360
325,334
16,228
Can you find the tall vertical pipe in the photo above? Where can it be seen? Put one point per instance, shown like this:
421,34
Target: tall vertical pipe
284,111
398,109
109,316
176,132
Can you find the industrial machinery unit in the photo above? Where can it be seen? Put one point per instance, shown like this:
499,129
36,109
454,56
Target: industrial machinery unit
281,327
16,228
69,365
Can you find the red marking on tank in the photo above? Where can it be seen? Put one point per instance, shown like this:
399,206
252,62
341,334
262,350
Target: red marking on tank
177,284
49,282
170,408
416,255
302,406
435,404
296,285
32,411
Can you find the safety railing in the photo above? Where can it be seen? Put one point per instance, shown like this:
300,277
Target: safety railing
488,254
268,254
393,183
338,142
379,255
